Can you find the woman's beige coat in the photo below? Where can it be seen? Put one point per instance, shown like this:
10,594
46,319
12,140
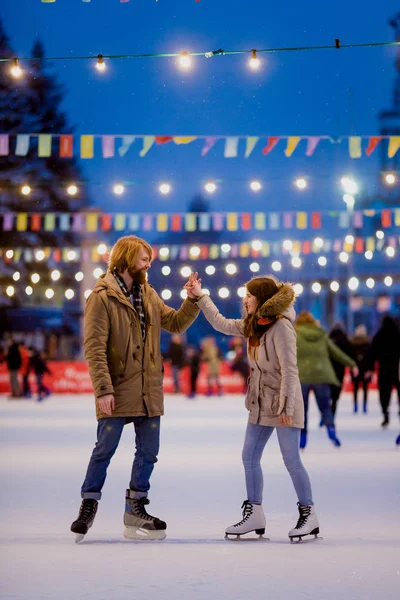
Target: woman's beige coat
274,385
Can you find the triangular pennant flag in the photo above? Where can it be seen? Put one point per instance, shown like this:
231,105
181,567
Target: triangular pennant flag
292,143
22,221
44,148
22,147
162,222
49,222
66,146
148,141
163,139
119,222
176,223
271,143
394,145
208,144
312,143
231,147
355,146
372,144
91,222
4,144
108,146
232,222
245,222
316,220
184,140
259,221
386,218
87,146
251,142
127,141
301,220
190,222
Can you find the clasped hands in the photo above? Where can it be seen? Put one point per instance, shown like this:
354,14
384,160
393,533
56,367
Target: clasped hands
193,286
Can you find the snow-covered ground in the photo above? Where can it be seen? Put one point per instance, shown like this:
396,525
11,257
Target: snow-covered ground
198,488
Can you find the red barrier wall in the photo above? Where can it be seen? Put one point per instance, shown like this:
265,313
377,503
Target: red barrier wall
73,378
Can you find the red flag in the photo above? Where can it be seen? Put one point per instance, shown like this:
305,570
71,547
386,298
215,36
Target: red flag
35,222
57,255
359,245
246,221
204,252
106,222
316,220
372,144
66,146
306,247
176,223
386,218
271,143
163,139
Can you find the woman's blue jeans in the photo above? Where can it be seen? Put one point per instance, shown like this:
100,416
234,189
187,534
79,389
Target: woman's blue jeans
254,443
109,430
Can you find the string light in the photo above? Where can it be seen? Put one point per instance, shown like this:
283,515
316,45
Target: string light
183,294
39,255
318,242
72,189
29,290
322,261
349,200
55,275
287,244
231,269
185,271
241,292
349,239
298,289
254,267
35,277
316,287
370,283
87,293
206,291
276,265
166,270
210,270
255,185
223,292
296,262
353,283
256,245
165,188
102,248
301,183
390,251
388,281
254,62
343,257
349,185
79,276
16,70
118,189
98,272
164,252
334,286
26,190
16,276
49,293
194,251
369,255
390,178
9,253
10,291
184,60
69,294
380,235
100,64
210,187
71,255
225,248
166,294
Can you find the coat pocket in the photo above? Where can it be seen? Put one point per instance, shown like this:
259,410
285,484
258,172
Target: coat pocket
269,401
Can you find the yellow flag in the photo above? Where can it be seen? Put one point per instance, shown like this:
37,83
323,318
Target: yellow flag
22,221
355,146
120,222
232,222
162,222
44,149
370,244
87,146
184,140
214,251
259,222
394,145
292,143
244,250
265,250
251,142
301,220
296,248
91,222
190,222
397,216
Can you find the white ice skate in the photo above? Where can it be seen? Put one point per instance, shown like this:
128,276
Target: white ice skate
139,525
253,520
307,525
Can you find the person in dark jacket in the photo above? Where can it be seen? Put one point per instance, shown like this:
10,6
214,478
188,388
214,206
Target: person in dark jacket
361,344
315,351
39,366
339,337
14,362
193,361
386,351
176,354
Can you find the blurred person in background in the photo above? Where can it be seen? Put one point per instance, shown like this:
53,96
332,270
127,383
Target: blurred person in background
361,344
315,350
193,361
26,354
14,361
176,355
339,337
212,356
39,365
240,365
385,350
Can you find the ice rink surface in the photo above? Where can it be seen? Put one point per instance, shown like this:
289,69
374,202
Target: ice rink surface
198,488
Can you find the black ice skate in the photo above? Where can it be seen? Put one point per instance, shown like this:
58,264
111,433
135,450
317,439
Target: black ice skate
253,520
83,523
307,525
139,525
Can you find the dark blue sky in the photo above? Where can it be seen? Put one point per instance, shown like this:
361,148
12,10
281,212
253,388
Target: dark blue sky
293,93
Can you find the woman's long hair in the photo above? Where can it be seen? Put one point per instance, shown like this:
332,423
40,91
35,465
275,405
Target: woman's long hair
263,288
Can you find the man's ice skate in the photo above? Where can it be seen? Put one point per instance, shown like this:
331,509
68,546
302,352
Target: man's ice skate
83,523
307,525
139,525
253,520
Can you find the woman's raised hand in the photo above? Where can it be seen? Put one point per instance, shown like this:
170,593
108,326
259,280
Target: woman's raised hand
193,286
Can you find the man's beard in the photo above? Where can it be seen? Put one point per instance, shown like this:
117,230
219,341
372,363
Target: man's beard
138,276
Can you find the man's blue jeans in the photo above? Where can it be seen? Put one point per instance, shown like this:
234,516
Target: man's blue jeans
322,392
254,443
109,430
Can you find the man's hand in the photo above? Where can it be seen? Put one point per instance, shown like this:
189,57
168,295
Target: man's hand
285,420
193,286
106,404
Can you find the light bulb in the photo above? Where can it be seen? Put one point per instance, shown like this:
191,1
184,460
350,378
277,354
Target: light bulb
254,62
255,185
165,188
210,187
184,60
100,64
301,183
26,190
72,190
118,189
16,70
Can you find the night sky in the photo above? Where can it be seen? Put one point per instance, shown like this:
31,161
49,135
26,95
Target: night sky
326,92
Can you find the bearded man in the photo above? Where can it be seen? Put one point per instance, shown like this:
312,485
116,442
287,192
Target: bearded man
124,316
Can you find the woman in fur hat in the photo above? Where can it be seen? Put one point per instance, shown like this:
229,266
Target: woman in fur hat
274,398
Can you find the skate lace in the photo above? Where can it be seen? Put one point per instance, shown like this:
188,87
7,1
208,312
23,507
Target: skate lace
305,512
246,513
140,511
87,509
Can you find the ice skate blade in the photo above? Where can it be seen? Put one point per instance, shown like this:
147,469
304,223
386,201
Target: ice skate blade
304,539
237,537
79,537
131,533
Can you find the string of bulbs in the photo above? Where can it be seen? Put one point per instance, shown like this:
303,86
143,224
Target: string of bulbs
185,58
